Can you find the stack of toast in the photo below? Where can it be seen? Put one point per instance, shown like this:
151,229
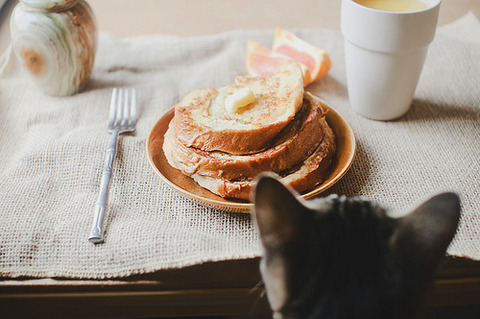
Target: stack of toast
280,128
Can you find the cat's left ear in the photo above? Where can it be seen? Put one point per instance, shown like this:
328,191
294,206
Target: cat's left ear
279,215
426,232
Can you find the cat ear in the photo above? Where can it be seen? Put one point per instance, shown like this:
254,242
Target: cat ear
425,233
279,215
280,220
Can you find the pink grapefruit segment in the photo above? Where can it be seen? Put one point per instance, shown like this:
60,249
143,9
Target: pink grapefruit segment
317,60
262,62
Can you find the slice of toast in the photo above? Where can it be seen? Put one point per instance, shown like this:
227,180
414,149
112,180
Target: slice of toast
303,177
291,146
202,120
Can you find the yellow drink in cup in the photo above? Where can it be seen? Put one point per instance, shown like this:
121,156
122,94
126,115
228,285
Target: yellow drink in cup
394,5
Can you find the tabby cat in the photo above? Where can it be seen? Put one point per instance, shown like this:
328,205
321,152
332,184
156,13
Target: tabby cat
339,257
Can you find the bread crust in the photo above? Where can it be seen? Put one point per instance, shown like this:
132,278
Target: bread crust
202,122
297,141
302,178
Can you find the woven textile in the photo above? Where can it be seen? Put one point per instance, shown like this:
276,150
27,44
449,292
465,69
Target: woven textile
53,152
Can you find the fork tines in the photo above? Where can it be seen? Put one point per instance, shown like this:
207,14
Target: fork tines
123,109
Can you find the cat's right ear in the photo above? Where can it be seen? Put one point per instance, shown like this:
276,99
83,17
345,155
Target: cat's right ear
425,233
279,215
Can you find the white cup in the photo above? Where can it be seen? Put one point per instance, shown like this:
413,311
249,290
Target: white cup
384,56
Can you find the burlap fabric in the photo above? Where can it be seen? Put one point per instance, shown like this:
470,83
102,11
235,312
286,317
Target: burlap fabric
53,153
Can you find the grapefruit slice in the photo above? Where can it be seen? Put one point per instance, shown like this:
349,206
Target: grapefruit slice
262,62
317,60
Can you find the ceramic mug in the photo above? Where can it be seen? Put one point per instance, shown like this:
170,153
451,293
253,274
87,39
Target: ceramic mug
384,56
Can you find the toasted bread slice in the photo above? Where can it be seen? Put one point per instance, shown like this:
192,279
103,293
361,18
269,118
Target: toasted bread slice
302,178
296,141
202,120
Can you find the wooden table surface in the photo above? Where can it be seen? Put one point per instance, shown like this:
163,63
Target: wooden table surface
229,288
214,289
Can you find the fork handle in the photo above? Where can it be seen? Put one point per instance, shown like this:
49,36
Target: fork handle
96,234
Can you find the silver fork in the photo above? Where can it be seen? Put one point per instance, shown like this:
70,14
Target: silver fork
122,119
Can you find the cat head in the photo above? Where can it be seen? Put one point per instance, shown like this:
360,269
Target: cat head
339,257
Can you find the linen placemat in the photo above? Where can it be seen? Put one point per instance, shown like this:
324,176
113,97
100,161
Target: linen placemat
53,153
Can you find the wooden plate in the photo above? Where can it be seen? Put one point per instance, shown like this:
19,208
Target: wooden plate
185,185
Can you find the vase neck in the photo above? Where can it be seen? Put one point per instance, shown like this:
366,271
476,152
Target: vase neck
48,5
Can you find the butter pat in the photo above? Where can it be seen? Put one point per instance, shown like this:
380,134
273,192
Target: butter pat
239,99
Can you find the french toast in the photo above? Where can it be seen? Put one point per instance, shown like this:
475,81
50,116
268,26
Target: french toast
202,121
291,146
303,177
223,138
